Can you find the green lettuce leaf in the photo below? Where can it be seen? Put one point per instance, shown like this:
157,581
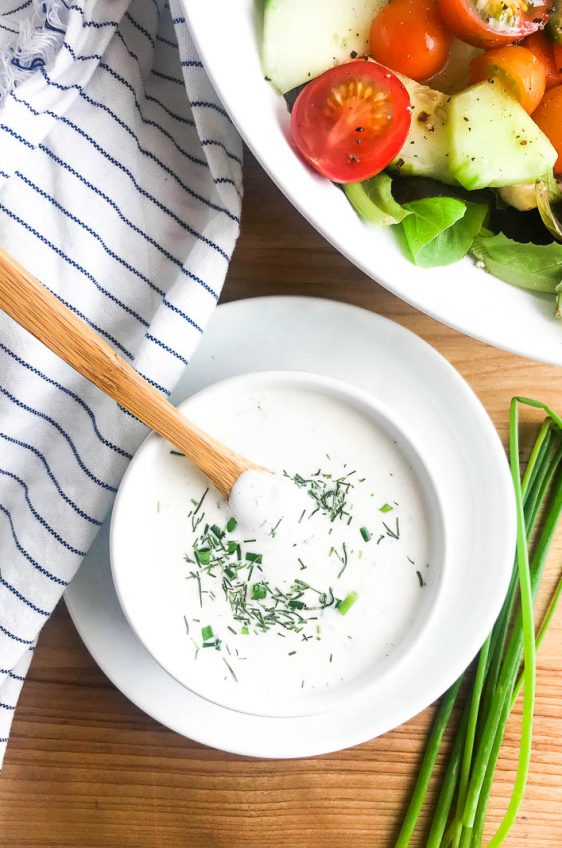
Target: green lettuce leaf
372,200
536,267
440,230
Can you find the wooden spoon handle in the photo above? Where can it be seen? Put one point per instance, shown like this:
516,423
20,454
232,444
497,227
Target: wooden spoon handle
33,306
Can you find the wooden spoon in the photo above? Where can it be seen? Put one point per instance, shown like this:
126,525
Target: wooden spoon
33,306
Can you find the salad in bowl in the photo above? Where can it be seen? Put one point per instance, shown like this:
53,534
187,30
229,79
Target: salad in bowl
440,119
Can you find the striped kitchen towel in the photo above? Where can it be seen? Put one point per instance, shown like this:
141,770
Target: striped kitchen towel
120,189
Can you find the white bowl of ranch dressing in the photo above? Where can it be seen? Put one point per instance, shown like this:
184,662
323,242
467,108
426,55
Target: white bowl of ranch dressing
323,598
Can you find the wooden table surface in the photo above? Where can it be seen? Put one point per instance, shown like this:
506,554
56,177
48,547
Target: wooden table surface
86,769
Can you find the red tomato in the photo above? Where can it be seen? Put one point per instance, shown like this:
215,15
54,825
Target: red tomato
351,121
517,68
543,48
548,116
498,22
557,53
410,37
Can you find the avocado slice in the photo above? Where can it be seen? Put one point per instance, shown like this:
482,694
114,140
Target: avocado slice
425,152
493,141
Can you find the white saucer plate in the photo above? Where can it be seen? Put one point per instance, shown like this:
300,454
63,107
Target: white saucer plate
468,466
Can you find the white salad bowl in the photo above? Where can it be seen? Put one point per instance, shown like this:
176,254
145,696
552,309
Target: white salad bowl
462,295
152,588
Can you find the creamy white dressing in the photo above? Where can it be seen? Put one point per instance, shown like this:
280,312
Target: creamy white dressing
376,544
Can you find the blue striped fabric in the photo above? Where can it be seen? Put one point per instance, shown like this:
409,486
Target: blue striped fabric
120,189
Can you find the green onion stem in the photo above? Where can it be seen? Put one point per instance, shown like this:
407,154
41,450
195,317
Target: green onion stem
511,661
427,764
499,709
466,837
528,638
540,635
480,819
545,480
468,752
537,404
538,481
537,453
473,758
448,786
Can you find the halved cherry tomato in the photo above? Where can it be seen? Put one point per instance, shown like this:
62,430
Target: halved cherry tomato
542,47
410,37
557,53
517,69
351,121
491,23
548,116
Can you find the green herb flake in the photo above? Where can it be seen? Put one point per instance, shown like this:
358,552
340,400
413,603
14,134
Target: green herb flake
386,508
259,591
365,534
229,667
347,603
207,633
256,558
231,525
203,556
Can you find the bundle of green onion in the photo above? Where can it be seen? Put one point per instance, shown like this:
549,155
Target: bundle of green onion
460,812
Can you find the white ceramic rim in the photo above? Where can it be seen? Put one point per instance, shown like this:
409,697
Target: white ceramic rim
460,295
383,418
91,598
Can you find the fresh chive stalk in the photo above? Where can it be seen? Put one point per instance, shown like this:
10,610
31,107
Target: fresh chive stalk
427,765
497,683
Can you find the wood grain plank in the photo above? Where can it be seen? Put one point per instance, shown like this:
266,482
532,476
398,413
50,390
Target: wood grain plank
86,768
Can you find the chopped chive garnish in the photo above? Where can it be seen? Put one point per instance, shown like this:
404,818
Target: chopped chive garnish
227,664
420,578
386,508
217,531
292,653
259,591
203,556
365,534
207,632
176,453
231,525
257,558
274,529
347,603
394,534
232,546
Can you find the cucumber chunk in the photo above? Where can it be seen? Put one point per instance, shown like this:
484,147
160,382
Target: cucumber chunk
493,141
303,38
